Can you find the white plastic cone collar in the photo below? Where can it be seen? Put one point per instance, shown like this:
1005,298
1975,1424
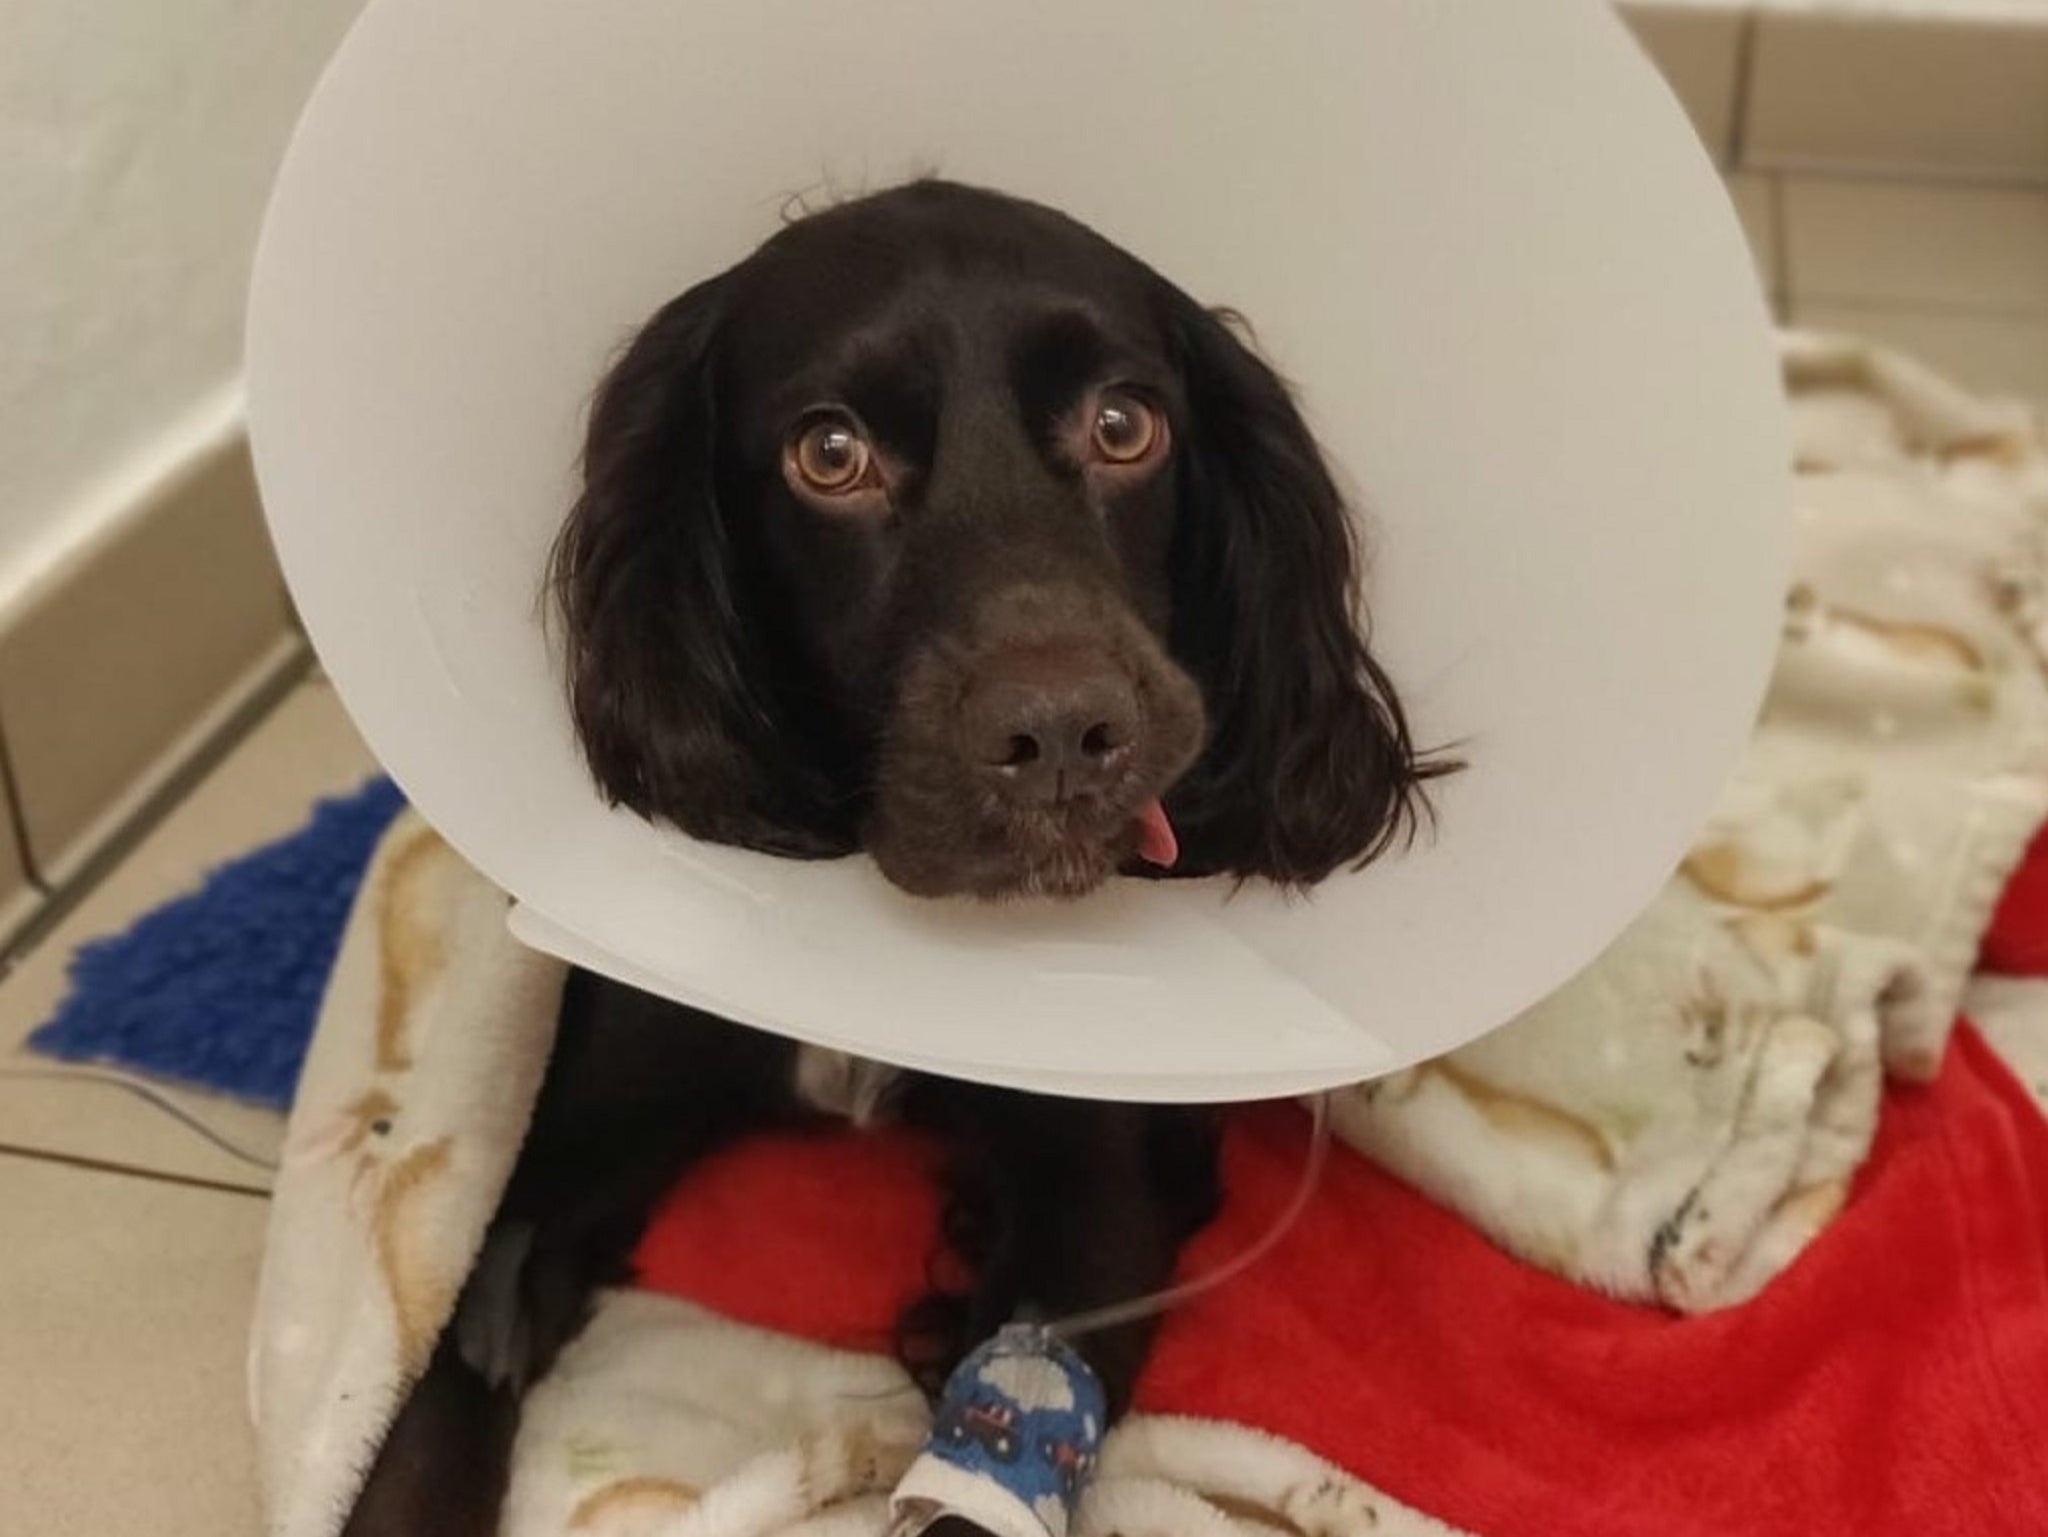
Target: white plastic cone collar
1481,239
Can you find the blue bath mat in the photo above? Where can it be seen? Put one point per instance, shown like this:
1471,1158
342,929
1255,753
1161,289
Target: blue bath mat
220,989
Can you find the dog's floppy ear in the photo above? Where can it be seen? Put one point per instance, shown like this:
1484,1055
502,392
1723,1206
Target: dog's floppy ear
677,685
1309,766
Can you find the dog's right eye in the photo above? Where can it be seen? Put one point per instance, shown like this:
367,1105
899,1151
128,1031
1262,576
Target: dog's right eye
1125,430
830,456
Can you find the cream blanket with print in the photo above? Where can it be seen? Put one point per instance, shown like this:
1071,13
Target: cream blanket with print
1680,1120
1675,1124
661,1417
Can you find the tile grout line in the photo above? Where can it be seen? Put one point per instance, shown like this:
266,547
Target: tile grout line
129,1171
1738,108
62,897
1931,309
1930,177
17,820
1781,246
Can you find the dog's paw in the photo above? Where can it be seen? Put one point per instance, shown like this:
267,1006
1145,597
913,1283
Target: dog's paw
523,1303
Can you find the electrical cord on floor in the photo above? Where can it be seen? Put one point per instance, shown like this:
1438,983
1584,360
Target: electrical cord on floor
150,1096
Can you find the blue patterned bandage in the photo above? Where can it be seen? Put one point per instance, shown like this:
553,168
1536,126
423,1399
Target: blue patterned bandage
1013,1442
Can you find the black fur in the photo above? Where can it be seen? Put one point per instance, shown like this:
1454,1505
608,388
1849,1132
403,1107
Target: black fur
684,702
1310,766
761,663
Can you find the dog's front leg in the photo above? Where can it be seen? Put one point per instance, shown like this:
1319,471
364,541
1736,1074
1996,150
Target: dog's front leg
636,1091
1069,1206
1103,1212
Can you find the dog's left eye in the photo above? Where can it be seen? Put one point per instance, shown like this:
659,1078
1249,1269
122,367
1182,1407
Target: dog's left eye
830,456
1124,429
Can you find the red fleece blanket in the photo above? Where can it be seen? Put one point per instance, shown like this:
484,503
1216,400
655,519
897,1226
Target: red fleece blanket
1894,1380
2017,942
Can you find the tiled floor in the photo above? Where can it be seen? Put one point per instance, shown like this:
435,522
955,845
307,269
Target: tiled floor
125,1303
128,1246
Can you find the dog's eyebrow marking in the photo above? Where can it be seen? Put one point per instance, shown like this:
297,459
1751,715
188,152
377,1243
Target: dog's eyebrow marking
1057,356
900,373
890,379
1064,350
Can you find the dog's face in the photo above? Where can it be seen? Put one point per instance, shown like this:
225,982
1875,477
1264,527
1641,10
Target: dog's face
942,527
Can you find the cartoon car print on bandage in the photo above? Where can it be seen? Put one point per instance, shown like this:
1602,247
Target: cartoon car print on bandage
1023,1418
989,1424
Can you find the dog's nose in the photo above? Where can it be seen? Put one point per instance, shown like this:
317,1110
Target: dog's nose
1050,726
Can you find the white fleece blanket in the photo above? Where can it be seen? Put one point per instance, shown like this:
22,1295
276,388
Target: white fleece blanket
1673,1125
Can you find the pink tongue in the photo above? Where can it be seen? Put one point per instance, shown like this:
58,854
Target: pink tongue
1156,843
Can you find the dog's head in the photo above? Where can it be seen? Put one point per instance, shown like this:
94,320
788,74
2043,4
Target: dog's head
942,527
